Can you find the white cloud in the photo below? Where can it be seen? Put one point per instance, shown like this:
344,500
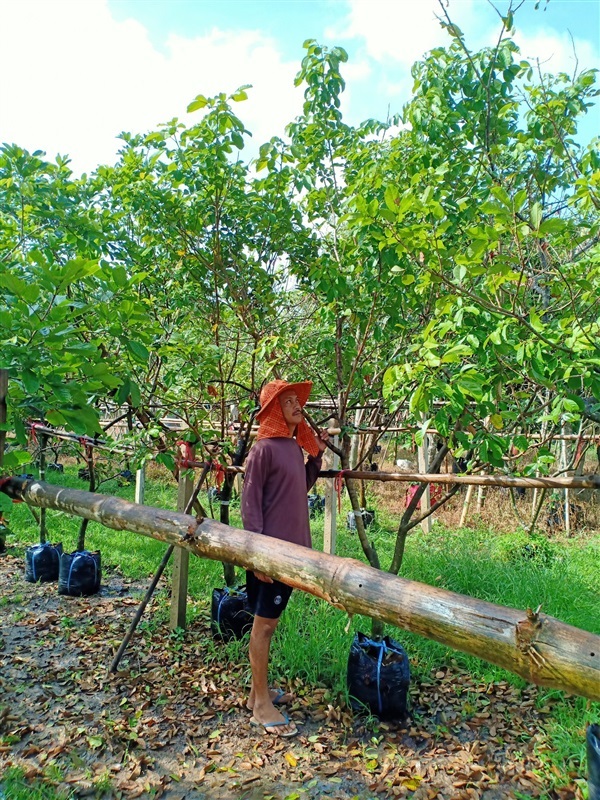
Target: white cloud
78,78
398,30
393,34
557,52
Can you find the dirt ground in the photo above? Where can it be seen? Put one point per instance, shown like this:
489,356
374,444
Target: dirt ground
172,723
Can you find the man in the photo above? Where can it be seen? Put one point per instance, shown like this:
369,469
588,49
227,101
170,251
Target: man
274,503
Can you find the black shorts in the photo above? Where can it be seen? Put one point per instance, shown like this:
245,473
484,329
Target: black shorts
266,599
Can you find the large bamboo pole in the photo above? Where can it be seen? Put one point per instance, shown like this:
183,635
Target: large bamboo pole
541,649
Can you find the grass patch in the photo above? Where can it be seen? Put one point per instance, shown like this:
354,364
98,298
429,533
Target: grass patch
15,786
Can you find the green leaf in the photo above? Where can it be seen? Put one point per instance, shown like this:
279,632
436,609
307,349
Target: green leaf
199,102
31,381
134,391
238,140
471,385
535,321
392,198
54,417
123,392
119,275
553,225
138,351
14,458
167,460
535,216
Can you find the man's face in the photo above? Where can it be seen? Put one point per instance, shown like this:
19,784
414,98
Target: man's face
291,408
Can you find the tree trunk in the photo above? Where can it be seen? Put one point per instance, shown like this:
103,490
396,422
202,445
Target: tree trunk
3,411
43,527
226,490
541,649
89,460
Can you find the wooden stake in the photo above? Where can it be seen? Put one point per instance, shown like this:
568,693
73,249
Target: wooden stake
564,465
465,508
480,496
330,516
423,454
140,484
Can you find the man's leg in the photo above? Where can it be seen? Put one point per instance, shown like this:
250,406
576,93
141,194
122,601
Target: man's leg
260,642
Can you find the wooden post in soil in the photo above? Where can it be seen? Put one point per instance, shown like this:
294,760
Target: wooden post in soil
423,455
480,497
140,484
332,461
541,649
466,504
181,561
564,464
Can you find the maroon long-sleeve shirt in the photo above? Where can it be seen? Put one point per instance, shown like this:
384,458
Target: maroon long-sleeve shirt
275,487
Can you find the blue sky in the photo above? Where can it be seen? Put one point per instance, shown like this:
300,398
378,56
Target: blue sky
88,69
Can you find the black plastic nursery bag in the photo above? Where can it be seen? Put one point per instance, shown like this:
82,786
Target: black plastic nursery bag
316,505
379,676
368,516
593,759
42,562
230,618
80,573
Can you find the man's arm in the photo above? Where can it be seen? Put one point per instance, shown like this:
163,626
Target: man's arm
252,494
313,463
313,467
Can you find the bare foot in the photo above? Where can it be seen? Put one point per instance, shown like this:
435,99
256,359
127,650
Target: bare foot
273,721
278,697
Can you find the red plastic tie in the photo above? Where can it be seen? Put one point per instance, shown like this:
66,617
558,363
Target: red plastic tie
219,473
186,458
32,433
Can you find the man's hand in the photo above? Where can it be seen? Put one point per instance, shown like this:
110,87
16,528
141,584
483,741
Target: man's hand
321,440
262,577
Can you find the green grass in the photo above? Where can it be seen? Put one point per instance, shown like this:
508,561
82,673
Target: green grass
14,786
561,576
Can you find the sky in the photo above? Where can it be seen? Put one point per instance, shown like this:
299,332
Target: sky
76,73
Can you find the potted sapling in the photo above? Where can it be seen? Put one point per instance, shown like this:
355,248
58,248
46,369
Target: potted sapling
80,572
42,560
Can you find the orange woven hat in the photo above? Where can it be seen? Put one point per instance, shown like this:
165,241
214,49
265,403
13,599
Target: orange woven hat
273,389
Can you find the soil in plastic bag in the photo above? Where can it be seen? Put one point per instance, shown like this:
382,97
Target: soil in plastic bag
230,617
593,759
378,677
316,505
80,573
368,516
42,562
